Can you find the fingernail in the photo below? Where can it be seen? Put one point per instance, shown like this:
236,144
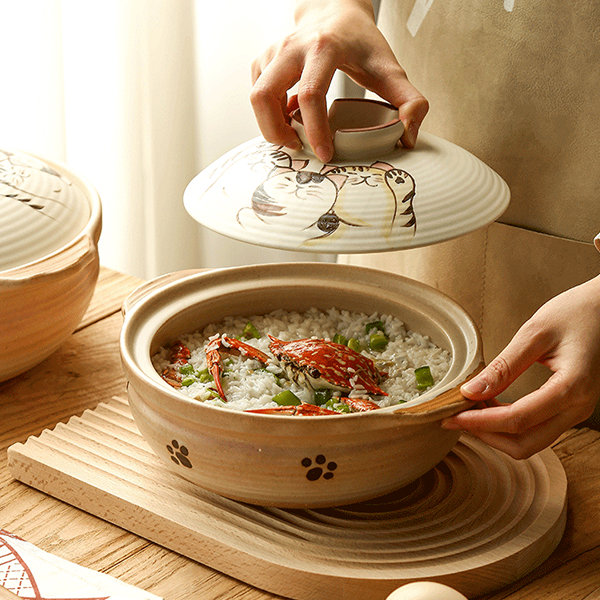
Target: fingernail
475,386
450,424
295,145
324,153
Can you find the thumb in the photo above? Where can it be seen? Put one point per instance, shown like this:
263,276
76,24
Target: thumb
522,351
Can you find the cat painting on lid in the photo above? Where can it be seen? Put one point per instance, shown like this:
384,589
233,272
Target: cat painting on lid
334,200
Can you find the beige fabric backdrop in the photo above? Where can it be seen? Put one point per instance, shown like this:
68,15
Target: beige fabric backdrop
516,83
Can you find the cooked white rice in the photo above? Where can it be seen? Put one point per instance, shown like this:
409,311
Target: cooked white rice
249,385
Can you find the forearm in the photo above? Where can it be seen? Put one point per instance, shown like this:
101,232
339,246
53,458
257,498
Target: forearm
306,8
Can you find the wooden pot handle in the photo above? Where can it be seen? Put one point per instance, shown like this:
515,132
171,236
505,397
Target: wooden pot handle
149,286
447,404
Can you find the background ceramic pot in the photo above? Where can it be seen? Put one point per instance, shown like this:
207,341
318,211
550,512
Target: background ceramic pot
50,222
290,461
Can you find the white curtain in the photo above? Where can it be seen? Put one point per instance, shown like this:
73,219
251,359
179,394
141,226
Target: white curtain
137,96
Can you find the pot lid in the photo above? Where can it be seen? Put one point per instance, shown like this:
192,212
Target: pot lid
42,208
373,196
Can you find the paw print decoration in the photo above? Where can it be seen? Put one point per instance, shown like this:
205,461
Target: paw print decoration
179,454
317,468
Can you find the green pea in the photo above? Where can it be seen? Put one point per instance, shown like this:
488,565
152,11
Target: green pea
186,369
354,344
286,398
378,341
423,377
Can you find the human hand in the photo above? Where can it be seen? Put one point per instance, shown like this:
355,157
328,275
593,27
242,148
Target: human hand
329,35
564,335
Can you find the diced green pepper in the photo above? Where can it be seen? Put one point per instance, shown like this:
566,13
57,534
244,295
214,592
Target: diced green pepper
188,381
286,398
204,376
354,344
333,404
423,377
378,341
376,325
186,369
322,396
338,338
250,331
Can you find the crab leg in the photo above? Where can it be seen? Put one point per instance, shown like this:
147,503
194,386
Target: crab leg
360,404
180,354
225,344
303,410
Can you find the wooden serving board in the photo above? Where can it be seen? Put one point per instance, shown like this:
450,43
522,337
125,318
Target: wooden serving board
477,521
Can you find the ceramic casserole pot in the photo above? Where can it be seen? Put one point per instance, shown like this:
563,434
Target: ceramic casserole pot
273,459
50,223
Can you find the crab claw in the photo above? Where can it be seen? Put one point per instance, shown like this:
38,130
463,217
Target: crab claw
225,344
302,410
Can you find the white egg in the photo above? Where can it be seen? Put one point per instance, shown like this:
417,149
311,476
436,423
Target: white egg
425,590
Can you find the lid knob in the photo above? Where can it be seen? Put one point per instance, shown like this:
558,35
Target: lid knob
360,128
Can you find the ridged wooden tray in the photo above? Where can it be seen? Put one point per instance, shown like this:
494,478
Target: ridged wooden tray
476,522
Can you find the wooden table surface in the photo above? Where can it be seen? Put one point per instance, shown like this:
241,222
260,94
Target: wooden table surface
86,370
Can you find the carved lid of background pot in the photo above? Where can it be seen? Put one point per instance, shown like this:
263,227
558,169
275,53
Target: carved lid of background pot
373,196
43,208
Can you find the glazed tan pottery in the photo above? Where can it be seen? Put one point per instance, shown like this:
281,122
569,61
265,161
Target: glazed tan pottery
274,459
50,223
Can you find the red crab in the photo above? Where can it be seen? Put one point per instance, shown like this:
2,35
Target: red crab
314,362
320,364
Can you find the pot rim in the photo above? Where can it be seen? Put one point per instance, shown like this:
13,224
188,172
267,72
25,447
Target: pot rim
91,229
156,297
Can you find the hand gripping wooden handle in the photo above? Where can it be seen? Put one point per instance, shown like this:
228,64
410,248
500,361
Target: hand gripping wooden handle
447,404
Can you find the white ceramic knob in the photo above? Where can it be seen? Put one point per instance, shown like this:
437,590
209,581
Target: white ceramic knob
425,590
